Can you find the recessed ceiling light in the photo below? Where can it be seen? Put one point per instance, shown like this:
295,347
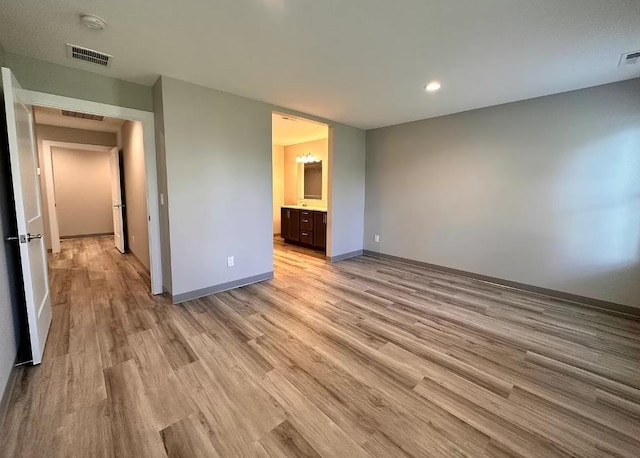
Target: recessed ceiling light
433,86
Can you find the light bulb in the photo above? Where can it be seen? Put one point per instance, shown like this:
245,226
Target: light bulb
433,86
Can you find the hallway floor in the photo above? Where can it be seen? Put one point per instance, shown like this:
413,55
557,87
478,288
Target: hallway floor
366,357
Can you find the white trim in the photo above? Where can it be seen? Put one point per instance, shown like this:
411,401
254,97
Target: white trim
330,159
50,192
148,131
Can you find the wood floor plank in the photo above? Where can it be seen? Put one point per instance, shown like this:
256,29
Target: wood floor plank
365,357
189,438
85,381
518,441
256,409
225,426
112,338
285,440
133,424
168,402
87,432
318,429
174,344
58,339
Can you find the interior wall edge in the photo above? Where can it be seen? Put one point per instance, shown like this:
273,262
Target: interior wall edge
163,193
575,298
342,257
190,295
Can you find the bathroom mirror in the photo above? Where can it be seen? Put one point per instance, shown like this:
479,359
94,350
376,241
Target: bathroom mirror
312,180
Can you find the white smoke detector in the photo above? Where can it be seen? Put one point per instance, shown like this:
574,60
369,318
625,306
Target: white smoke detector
92,22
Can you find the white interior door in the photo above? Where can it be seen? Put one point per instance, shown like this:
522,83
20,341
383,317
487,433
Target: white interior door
116,201
26,191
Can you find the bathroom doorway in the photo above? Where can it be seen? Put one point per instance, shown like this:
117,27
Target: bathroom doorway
301,174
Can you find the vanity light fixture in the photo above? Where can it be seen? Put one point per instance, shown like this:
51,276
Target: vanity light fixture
307,158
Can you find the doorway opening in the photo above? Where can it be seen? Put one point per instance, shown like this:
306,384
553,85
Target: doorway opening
301,178
25,175
93,180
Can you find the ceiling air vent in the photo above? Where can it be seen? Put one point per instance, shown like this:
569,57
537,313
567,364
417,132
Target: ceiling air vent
629,58
88,55
75,114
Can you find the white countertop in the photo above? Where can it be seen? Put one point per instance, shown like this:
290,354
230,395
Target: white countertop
306,207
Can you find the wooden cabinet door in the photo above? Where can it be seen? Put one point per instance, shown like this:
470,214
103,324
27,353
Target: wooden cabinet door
320,229
290,224
294,225
284,222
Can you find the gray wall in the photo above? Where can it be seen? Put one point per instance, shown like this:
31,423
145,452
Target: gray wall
544,192
135,188
218,158
38,75
346,190
64,134
219,184
82,182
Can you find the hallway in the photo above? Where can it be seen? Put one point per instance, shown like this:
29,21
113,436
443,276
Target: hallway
365,357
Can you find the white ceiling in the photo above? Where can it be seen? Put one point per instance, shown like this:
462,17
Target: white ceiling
361,62
287,130
54,117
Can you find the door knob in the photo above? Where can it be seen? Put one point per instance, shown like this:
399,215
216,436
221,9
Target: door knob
30,237
118,205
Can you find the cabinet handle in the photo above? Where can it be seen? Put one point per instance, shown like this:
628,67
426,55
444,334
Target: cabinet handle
305,220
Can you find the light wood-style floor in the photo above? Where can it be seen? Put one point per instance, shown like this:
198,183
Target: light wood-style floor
362,358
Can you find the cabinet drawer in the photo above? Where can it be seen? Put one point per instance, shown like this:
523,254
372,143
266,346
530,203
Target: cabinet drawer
306,222
306,213
306,237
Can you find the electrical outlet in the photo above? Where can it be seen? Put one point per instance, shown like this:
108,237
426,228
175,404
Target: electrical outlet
376,238
230,261
133,239
161,199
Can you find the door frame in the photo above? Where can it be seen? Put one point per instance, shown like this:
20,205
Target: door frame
49,184
312,119
42,99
